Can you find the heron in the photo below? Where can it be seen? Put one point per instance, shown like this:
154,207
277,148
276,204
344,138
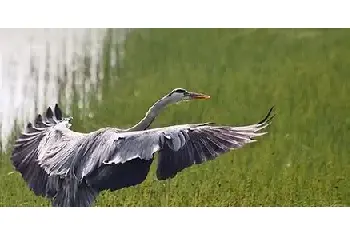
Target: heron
71,168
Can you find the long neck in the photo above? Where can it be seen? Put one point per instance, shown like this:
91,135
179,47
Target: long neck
151,114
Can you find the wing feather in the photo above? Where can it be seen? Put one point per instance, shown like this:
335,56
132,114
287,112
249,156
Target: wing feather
25,154
208,142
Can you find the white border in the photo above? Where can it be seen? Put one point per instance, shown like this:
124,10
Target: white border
177,221
180,13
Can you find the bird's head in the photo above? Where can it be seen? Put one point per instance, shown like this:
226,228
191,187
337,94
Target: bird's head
180,94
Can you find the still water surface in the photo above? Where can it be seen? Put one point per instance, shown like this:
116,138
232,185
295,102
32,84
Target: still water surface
36,64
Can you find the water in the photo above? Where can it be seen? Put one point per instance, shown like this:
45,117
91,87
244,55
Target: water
38,66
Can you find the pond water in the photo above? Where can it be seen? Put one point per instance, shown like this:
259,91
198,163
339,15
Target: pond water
37,64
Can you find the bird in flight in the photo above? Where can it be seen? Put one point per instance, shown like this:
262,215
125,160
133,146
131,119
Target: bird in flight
72,168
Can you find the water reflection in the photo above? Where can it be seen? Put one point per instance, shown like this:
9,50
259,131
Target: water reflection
37,66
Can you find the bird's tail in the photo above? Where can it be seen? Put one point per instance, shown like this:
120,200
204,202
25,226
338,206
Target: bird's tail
74,195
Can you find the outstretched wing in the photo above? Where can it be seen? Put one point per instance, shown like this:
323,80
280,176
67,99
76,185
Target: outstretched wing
31,144
204,143
179,146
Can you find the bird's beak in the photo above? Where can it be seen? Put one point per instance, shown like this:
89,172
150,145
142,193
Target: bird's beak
198,96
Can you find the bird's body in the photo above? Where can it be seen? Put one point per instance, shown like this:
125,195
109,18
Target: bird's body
71,168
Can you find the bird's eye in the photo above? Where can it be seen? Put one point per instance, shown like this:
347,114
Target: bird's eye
180,90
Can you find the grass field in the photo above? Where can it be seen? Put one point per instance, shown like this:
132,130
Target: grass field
303,161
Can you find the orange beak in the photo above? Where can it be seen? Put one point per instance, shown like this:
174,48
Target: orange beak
198,96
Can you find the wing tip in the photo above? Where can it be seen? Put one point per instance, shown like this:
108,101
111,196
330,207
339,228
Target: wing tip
268,118
48,117
58,112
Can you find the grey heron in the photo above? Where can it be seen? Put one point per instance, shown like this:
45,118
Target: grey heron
71,168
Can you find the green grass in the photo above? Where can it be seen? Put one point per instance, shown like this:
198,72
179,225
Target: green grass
303,161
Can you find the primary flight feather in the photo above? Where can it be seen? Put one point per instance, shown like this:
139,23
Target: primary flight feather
71,168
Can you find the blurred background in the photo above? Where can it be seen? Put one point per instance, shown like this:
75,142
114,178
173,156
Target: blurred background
110,77
41,67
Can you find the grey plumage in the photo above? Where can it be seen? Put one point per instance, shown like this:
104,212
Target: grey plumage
71,168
